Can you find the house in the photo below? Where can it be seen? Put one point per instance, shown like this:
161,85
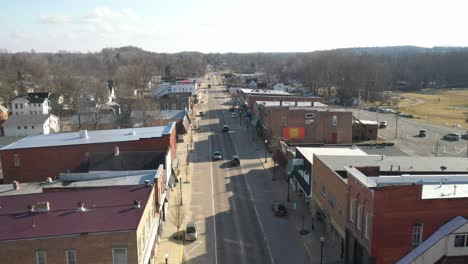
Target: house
164,89
108,224
62,152
31,104
402,216
282,87
25,125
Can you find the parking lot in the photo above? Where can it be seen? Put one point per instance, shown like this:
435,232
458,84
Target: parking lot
406,136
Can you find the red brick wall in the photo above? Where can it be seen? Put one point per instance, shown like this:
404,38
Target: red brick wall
320,131
91,248
39,163
395,210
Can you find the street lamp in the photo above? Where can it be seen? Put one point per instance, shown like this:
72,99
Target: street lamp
166,257
266,142
180,186
322,239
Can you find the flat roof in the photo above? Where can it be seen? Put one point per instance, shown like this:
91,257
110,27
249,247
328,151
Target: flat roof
84,180
396,163
291,103
367,122
94,137
267,92
109,209
309,152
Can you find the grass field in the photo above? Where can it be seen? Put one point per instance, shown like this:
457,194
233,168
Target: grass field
446,107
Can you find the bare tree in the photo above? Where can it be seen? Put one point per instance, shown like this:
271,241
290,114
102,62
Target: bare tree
146,111
178,215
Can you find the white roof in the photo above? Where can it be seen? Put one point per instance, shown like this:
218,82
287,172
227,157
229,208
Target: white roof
267,92
94,137
308,152
369,122
291,103
446,191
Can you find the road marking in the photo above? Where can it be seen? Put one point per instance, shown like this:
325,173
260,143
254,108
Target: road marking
190,251
255,207
212,201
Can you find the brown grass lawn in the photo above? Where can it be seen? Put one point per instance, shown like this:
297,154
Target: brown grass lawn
437,106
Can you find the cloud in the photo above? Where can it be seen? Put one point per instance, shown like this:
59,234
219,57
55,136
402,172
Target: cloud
105,13
18,35
54,19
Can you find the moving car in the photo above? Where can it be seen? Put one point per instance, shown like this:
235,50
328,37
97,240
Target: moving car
422,133
235,161
452,136
225,128
191,232
234,115
383,124
279,209
216,155
465,136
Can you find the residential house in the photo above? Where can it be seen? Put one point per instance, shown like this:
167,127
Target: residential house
61,152
3,118
31,104
25,125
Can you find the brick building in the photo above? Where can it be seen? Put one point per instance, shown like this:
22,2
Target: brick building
392,214
304,122
112,224
38,157
331,182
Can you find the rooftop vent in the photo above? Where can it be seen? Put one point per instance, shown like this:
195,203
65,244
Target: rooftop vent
137,204
148,183
443,168
84,133
49,180
81,207
15,185
31,208
116,151
43,207
131,133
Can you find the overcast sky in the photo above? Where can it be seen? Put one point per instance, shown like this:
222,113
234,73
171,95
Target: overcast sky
229,25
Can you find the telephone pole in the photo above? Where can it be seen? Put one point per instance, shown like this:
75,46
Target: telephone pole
396,117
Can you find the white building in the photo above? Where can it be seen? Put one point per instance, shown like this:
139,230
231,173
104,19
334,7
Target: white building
282,87
166,88
31,104
25,125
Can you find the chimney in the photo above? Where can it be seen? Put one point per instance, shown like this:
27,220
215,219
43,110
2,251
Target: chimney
81,207
137,204
43,207
295,103
84,134
16,185
391,167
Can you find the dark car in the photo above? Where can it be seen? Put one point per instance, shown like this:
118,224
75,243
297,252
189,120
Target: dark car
225,128
235,161
422,133
465,136
279,209
217,155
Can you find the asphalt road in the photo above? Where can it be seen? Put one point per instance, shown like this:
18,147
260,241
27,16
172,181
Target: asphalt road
407,140
232,205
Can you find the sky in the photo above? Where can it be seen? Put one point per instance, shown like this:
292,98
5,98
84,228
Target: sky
229,25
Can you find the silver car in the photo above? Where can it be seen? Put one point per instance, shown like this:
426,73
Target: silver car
452,136
191,231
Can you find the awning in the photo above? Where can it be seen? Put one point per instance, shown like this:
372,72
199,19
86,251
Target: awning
254,121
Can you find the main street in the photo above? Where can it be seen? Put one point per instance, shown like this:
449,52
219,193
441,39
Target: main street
232,205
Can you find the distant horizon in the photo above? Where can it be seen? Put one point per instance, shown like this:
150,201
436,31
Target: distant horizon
221,26
5,51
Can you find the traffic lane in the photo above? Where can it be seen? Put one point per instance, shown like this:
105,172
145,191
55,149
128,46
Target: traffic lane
239,240
265,191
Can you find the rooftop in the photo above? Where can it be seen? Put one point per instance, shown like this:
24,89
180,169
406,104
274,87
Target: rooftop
291,103
265,92
397,164
28,120
109,209
93,137
309,152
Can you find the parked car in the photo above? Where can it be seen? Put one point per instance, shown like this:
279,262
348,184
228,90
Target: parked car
465,136
279,209
452,136
216,155
225,128
234,115
383,124
235,161
422,133
372,108
231,109
191,231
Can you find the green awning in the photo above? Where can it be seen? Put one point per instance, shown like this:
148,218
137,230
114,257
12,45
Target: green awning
254,121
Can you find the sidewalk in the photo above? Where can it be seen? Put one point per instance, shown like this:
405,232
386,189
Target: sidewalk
299,215
167,244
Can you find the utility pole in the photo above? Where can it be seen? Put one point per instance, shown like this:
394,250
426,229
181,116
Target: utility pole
436,147
396,117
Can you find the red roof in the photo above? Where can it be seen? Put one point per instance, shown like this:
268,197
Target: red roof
108,209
